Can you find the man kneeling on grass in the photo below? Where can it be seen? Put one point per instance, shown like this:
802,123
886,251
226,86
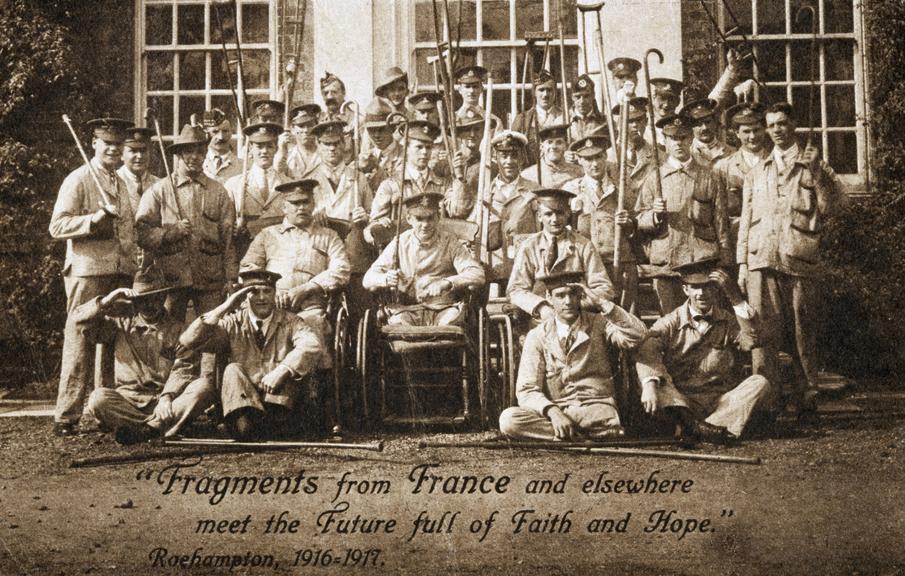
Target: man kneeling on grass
156,393
565,381
270,352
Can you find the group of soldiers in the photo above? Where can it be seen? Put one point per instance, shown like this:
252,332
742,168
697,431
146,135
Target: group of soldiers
368,201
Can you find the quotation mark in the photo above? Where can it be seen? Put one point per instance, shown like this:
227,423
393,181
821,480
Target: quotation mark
727,513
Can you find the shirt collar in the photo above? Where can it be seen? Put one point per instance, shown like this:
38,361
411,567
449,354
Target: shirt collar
677,165
254,320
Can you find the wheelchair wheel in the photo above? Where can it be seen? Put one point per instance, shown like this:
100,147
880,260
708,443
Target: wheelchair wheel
367,356
342,341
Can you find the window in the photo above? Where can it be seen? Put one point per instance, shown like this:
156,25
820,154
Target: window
782,46
493,36
183,71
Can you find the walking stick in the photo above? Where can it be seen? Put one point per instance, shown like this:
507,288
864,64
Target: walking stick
152,114
235,7
292,64
105,196
627,93
405,148
446,74
813,66
655,149
601,61
567,116
483,210
229,71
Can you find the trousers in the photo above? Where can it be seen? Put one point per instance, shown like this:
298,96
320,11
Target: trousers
599,419
238,391
730,409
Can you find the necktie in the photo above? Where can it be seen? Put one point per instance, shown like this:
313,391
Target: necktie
552,255
567,342
266,194
702,323
259,333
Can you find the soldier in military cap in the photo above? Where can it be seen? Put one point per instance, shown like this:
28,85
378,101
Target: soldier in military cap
393,86
586,119
708,146
554,169
565,382
639,161
434,270
270,352
221,162
297,154
624,70
470,85
100,255
595,208
336,177
333,92
136,157
689,223
156,386
186,227
422,105
666,93
267,112
556,248
310,259
689,365
419,179
545,112
380,152
261,203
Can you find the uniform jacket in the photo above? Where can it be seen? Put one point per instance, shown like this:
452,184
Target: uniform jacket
262,207
94,250
223,169
297,163
525,123
299,256
708,156
732,171
582,126
338,202
676,351
595,203
697,224
289,342
207,258
575,252
444,258
553,175
549,375
132,185
783,214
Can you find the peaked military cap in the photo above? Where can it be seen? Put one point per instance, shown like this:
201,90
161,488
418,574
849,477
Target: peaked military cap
424,101
471,75
623,66
700,108
509,140
296,188
189,137
555,194
109,128
268,109
258,277
746,113
675,124
426,200
542,78
389,77
471,117
138,137
329,131
583,85
591,145
637,108
423,130
667,86
262,132
559,279
305,114
697,272
553,131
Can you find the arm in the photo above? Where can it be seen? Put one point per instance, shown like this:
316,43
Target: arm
532,370
650,356
307,350
208,332
256,256
185,369
375,277
723,89
595,274
151,234
338,267
68,220
744,223
623,329
645,217
469,272
521,283
226,226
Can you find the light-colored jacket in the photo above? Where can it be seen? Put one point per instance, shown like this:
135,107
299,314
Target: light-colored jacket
338,203
597,215
732,171
262,208
147,179
104,249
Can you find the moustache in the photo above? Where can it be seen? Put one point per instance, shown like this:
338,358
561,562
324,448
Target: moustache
331,101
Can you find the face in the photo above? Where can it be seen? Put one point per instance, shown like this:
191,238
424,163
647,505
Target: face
136,159
263,152
636,128
566,301
397,91
150,306
333,94
424,224
262,300
331,150
471,92
702,296
419,153
553,149
751,136
220,136
381,137
298,211
553,215
664,103
107,152
192,159
470,140
781,129
544,95
621,78
593,165
582,102
678,146
509,162
705,130
303,136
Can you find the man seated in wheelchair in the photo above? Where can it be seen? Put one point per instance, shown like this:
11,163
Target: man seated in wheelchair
555,248
565,386
431,269
310,259
269,351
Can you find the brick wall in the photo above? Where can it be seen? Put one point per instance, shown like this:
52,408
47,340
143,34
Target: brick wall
286,29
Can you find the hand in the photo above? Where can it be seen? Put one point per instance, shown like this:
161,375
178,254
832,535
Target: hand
439,287
732,58
743,278
102,214
563,427
359,215
440,156
272,381
729,287
320,217
183,228
298,295
628,90
812,157
164,410
392,278
623,220
458,161
284,139
120,294
366,162
571,157
546,312
649,396
233,301
659,206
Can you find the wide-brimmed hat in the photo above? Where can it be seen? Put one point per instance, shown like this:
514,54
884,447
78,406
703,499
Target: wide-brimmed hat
189,137
148,283
388,77
375,114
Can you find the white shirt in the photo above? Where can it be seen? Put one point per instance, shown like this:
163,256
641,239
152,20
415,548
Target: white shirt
785,158
254,321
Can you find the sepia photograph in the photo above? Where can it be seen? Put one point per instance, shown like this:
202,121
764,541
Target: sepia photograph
560,287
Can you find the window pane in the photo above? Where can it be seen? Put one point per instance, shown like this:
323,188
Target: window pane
840,105
773,94
191,70
800,99
742,11
840,60
495,23
529,17
159,25
571,57
424,21
226,105
190,24
256,65
163,107
843,152
839,15
160,70
466,57
424,71
497,61
469,26
220,76
771,61
771,16
501,104
226,20
570,18
801,61
255,23
189,105
801,24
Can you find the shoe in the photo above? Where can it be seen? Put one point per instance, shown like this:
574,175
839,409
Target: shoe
710,433
134,434
65,429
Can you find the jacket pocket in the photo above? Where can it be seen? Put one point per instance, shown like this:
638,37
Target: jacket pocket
701,213
802,245
209,235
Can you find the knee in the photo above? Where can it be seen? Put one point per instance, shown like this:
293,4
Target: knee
99,400
233,373
509,422
244,425
759,384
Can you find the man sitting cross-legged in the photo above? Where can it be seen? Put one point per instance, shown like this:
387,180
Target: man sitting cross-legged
565,381
270,352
